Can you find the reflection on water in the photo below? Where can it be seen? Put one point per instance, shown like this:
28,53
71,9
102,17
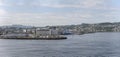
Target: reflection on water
88,45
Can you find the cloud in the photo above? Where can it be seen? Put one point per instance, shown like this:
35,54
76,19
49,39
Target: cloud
57,16
2,16
1,2
55,12
93,3
42,19
111,15
61,3
2,12
74,4
85,4
53,18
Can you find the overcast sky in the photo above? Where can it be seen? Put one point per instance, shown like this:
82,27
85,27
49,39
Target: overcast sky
58,12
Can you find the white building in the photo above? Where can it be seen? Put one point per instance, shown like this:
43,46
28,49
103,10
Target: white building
42,32
53,32
45,31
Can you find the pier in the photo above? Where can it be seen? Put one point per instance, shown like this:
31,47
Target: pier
29,37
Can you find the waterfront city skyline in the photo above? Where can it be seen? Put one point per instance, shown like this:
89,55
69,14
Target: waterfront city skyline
58,12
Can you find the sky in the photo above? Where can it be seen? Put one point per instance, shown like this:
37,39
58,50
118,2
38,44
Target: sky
58,12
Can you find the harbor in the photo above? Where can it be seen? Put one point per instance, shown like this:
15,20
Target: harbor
32,34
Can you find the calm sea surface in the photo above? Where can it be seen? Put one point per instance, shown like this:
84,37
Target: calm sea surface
88,45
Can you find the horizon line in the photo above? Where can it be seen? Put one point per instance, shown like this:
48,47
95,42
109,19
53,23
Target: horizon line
55,25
